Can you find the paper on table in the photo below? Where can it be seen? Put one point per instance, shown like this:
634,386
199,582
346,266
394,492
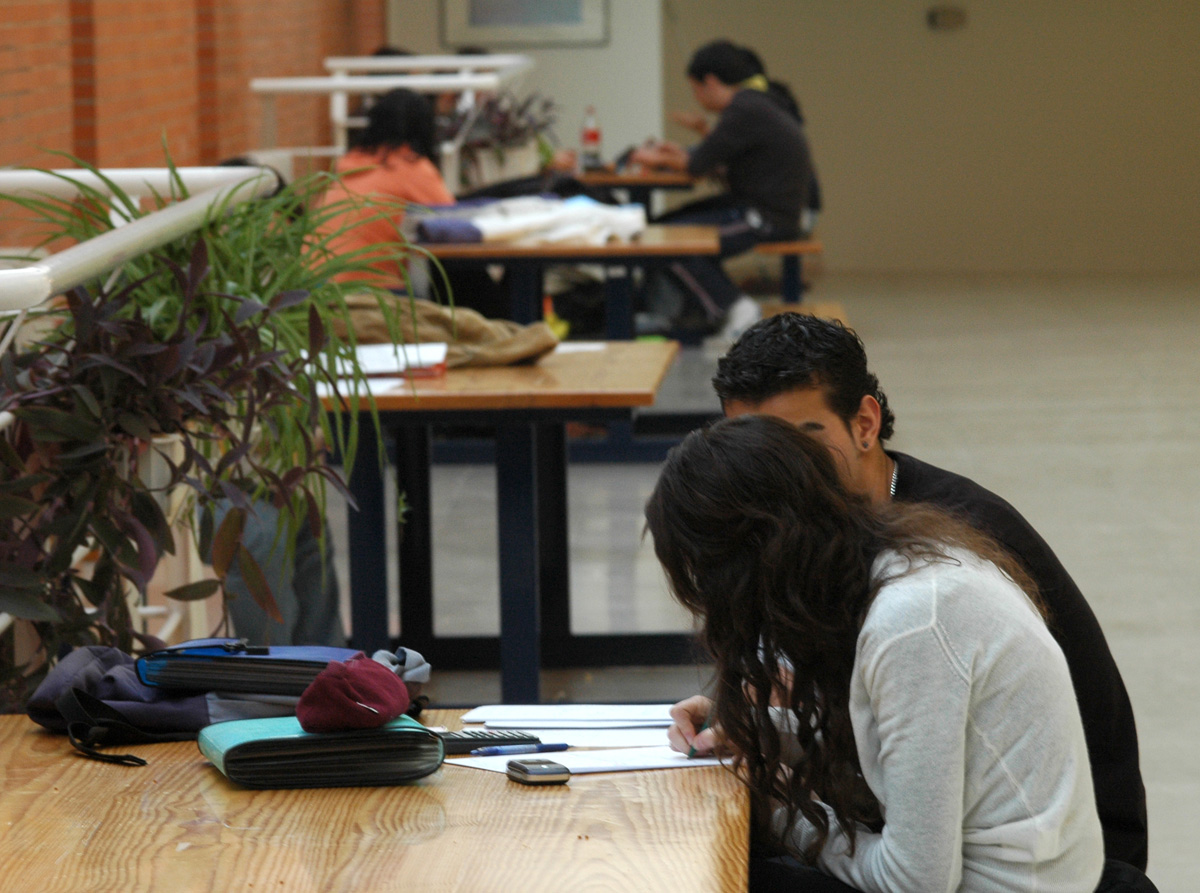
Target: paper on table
648,736
577,724
581,716
376,385
579,346
388,359
581,762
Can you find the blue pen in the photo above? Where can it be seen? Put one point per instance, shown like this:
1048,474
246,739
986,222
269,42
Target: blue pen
504,750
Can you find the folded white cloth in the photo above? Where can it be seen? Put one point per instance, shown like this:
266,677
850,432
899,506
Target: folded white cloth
539,219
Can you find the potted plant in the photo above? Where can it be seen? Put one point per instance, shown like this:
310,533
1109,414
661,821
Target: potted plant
216,344
507,137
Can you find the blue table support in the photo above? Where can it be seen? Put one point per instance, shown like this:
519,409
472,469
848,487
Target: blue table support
531,456
520,573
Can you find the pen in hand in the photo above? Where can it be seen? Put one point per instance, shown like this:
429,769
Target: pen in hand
692,749
503,750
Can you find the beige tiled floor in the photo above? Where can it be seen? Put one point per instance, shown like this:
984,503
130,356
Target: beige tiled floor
1075,398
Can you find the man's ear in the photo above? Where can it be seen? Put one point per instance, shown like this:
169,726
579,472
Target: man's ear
865,424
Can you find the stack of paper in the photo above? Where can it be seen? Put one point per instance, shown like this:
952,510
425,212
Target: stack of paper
633,736
409,359
581,762
572,716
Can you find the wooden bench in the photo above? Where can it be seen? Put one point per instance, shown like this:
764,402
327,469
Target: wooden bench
791,287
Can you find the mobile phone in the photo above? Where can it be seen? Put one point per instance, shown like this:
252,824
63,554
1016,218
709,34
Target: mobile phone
536,772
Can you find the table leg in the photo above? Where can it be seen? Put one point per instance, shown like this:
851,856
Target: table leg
368,547
516,497
525,289
618,304
554,538
416,538
791,287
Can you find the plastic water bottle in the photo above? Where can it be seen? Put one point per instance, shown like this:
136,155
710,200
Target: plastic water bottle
589,141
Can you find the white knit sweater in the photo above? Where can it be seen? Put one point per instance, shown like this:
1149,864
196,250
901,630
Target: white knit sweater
968,733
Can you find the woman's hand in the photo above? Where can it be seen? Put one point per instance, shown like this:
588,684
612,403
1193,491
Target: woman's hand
688,732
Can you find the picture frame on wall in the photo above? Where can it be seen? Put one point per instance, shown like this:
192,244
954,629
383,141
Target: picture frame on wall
493,24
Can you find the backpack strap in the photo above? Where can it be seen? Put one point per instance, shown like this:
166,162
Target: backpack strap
91,724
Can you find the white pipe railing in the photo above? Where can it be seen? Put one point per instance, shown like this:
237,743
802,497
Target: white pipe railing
508,63
422,74
70,182
29,286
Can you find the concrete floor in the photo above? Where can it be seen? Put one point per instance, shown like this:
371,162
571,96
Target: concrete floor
1075,398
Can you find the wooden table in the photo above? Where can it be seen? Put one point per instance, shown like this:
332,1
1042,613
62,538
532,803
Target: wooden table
526,264
178,825
529,407
640,185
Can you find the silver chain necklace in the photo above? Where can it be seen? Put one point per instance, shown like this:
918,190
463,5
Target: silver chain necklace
895,472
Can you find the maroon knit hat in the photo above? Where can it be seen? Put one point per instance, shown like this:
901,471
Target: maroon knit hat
358,694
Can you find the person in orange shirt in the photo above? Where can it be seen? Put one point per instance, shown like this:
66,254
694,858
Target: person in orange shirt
390,167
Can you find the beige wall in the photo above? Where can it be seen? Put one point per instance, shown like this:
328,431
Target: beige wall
623,79
1045,136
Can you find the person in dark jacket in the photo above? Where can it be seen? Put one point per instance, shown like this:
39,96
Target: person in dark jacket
813,373
760,150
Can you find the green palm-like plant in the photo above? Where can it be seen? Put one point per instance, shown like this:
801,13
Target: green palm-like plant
219,340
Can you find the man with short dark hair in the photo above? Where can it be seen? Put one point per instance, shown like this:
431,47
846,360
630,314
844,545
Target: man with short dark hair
760,149
813,373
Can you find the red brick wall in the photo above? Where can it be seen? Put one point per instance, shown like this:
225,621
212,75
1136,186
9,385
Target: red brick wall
105,79
35,81
145,81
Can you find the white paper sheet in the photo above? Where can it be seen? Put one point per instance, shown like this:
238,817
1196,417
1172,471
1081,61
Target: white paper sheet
376,385
582,762
648,736
582,716
388,359
579,346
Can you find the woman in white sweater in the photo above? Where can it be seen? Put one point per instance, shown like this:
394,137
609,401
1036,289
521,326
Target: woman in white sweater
925,735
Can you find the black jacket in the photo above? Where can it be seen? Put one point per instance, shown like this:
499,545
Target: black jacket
1103,702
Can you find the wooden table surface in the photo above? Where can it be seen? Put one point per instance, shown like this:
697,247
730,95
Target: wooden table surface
638,179
655,240
177,825
577,375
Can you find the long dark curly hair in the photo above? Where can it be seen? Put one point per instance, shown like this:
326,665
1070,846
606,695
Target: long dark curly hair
760,540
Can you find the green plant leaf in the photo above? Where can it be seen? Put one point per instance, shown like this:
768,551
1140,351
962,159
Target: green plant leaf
135,424
15,507
289,298
86,451
256,582
25,483
25,605
88,399
316,331
10,457
109,535
205,531
227,541
194,592
47,418
149,514
247,309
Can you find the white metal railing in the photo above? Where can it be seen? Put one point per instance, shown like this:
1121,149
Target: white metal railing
380,74
29,286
